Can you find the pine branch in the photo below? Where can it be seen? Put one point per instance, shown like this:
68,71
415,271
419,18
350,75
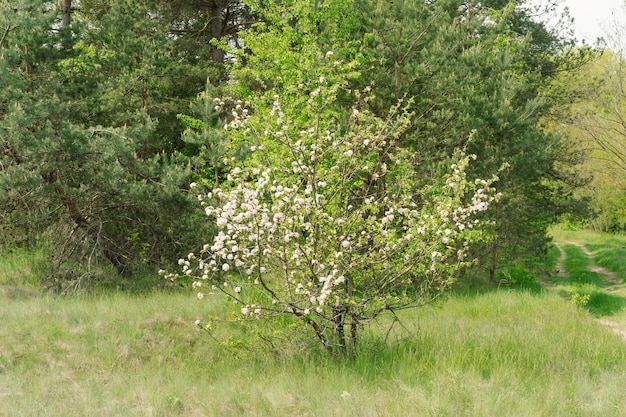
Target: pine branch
6,33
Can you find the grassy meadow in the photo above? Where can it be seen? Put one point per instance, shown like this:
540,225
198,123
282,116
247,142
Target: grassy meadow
498,353
595,266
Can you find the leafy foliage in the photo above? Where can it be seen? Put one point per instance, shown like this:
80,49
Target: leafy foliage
100,141
326,218
475,67
332,232
594,126
81,166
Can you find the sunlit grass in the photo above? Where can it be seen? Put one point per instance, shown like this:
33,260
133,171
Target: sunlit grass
588,236
604,296
611,258
576,265
500,353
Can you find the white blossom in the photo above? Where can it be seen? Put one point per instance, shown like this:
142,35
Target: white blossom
300,226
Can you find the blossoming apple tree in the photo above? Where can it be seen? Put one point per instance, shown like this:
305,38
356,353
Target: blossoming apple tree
323,222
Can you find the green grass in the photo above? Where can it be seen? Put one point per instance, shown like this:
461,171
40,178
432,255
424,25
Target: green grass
576,265
609,250
19,267
600,294
589,237
503,353
552,258
611,258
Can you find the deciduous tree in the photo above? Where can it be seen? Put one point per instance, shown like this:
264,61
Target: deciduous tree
324,221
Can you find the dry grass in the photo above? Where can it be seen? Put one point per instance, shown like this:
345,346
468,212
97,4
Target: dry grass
501,353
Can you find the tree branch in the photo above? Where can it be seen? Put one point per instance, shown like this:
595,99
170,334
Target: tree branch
6,33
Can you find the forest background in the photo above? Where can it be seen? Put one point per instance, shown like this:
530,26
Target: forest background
110,110
358,158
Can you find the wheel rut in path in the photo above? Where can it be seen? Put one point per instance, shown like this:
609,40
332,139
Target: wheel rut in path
610,277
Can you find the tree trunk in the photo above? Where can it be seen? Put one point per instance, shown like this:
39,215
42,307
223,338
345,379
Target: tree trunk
116,259
66,10
341,335
217,28
354,333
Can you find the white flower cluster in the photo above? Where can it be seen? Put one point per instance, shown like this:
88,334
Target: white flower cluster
333,225
240,115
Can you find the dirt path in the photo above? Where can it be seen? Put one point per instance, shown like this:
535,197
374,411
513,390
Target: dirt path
610,277
560,263
616,327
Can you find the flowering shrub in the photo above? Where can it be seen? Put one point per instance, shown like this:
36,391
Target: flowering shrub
323,221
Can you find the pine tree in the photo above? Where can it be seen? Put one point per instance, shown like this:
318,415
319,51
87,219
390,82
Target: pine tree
477,71
84,165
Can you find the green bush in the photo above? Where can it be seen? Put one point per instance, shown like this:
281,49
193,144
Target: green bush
519,277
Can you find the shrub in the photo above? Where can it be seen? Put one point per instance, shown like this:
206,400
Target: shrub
324,223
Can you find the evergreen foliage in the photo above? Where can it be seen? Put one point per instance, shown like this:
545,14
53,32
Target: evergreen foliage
88,117
477,67
105,121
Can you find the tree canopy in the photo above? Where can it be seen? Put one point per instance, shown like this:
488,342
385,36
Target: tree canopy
110,109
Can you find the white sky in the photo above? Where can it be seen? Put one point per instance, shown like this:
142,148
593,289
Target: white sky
594,18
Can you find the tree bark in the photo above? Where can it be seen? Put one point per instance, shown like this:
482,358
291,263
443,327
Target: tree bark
217,28
66,10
